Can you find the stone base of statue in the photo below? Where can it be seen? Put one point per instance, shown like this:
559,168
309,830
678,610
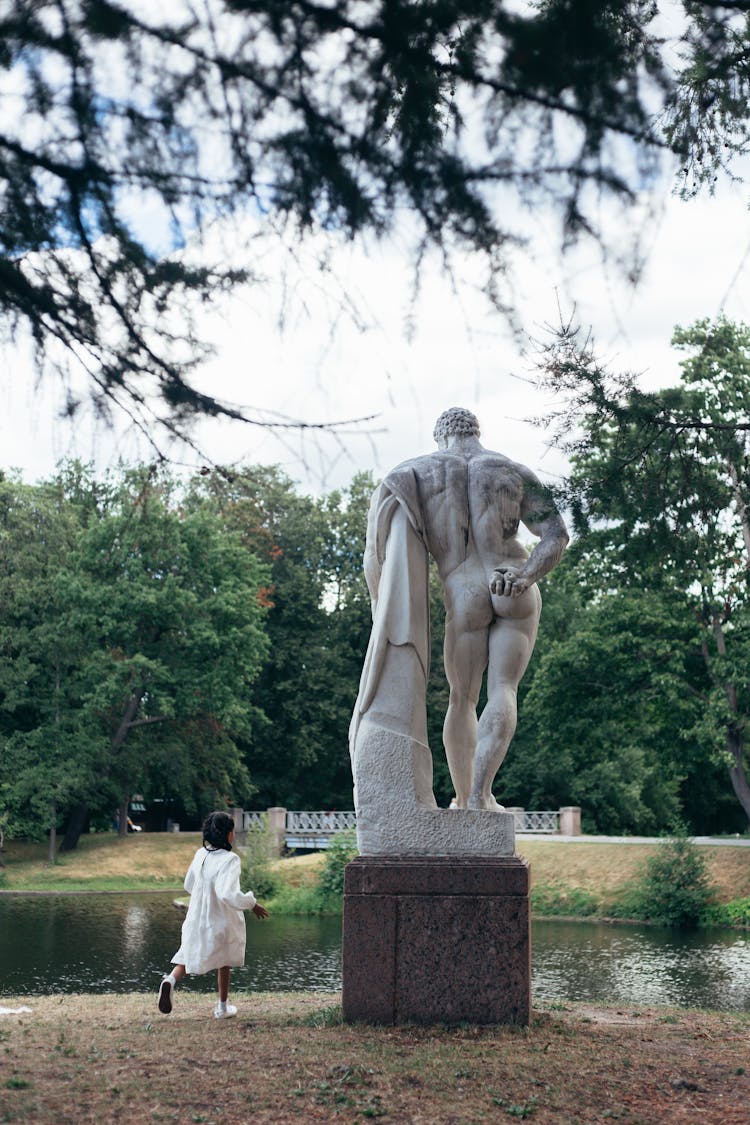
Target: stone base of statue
437,940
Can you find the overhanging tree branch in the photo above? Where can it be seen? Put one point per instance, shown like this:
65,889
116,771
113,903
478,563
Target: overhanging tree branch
338,118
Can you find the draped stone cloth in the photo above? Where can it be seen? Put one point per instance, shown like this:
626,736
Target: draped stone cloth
396,571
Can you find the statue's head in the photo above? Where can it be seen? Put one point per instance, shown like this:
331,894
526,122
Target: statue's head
456,421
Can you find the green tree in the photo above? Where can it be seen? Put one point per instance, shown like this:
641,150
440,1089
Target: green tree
170,600
438,693
129,131
162,629
318,624
608,719
47,763
661,488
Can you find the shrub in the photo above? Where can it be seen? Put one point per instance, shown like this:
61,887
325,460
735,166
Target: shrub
258,874
295,900
674,887
551,900
734,913
341,850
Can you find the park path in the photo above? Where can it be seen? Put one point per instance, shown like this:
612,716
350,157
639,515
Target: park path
704,841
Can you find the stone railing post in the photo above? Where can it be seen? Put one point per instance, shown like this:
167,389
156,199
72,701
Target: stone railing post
518,816
277,824
570,821
240,835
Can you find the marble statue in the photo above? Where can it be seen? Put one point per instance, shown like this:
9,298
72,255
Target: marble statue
462,505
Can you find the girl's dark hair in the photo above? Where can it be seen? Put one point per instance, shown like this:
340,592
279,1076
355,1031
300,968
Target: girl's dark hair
216,829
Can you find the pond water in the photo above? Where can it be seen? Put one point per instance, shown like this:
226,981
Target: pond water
123,943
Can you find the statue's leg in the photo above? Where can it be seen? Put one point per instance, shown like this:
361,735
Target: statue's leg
465,653
511,643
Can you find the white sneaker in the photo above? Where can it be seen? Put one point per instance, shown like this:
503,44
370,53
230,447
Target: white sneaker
165,996
224,1013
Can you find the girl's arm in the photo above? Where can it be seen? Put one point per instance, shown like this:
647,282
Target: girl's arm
228,886
190,877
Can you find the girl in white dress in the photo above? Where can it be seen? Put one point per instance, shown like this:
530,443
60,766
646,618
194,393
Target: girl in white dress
213,933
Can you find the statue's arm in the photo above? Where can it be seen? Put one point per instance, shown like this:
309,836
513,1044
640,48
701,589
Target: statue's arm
540,515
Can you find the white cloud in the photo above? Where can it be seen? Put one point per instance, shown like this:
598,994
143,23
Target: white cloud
406,364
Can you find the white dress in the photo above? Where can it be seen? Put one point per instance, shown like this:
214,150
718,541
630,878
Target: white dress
213,933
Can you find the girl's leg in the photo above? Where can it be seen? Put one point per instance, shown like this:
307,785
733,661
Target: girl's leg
223,1010
223,975
167,986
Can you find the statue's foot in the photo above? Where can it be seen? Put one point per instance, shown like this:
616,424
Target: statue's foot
484,804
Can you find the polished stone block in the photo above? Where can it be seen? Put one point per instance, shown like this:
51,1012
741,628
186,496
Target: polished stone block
437,940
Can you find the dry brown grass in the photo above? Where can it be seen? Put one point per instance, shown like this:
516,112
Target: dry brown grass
139,861
286,1058
142,860
604,869
301,870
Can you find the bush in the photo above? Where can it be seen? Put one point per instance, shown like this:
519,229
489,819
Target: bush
258,874
674,888
554,900
341,850
734,913
326,894
296,900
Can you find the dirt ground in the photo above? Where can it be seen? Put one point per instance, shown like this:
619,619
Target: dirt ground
288,1058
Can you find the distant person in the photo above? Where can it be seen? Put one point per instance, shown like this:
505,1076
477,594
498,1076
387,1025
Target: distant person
213,933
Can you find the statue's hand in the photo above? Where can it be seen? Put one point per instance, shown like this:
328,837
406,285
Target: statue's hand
508,582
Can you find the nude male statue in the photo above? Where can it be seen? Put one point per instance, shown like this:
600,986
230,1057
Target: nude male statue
470,503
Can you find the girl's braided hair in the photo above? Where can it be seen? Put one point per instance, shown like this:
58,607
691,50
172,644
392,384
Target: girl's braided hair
216,829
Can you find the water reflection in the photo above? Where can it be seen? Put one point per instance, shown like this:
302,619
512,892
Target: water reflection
621,964
101,943
135,929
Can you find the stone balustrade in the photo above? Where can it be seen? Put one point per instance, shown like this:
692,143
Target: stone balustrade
315,829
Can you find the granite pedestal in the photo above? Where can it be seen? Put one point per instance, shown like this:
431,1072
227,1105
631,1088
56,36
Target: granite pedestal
437,940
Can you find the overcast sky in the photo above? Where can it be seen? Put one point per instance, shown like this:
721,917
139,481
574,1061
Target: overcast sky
405,362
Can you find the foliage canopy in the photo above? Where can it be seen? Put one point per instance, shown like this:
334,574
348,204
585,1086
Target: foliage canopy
660,490
132,632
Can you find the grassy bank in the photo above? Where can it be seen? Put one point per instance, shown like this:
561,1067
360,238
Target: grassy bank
582,879
287,1057
142,861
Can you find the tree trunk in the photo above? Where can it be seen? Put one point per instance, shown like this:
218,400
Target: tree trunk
122,829
76,824
741,508
52,834
740,784
735,739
